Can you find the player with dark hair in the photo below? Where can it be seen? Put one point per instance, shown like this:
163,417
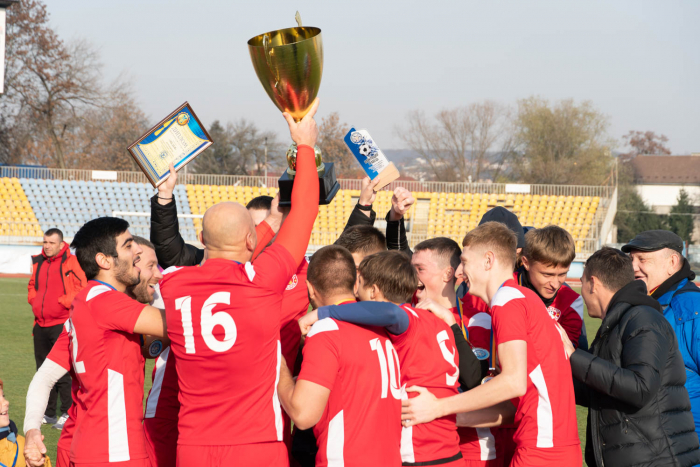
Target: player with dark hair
259,208
348,389
105,347
361,241
424,343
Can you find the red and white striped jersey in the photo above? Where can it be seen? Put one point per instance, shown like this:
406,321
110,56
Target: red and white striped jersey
108,364
476,444
429,358
224,326
361,424
162,400
546,414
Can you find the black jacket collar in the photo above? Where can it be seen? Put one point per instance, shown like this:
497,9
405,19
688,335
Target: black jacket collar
525,282
668,284
633,294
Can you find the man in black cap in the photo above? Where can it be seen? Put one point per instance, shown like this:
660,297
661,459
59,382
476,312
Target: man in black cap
657,257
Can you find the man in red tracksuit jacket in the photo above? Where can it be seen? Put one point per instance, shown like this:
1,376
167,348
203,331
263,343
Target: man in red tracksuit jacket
56,279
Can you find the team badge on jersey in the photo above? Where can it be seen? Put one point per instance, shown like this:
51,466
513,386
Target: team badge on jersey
555,313
293,282
481,354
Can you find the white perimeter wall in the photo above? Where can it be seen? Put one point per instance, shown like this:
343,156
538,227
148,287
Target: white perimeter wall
17,259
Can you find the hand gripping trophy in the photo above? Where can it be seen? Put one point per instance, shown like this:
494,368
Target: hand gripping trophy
289,64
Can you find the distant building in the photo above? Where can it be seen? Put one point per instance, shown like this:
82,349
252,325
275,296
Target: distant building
659,179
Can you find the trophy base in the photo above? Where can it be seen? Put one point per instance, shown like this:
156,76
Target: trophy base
328,186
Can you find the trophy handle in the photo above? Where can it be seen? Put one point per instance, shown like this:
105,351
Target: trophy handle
268,57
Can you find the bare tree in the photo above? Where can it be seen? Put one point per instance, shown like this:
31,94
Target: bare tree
645,142
459,143
331,134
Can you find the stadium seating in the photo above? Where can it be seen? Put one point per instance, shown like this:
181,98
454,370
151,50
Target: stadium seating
68,204
16,213
31,206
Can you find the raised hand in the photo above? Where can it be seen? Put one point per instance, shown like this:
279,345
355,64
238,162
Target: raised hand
165,189
368,194
438,310
306,131
34,449
307,321
401,202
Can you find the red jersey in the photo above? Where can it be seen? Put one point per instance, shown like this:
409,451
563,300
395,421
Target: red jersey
224,327
108,365
476,444
162,399
295,304
429,358
546,414
60,355
566,308
361,424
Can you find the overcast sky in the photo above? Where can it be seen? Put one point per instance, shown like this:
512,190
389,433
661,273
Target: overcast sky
637,61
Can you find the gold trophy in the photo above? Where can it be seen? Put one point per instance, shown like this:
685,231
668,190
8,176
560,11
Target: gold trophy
289,64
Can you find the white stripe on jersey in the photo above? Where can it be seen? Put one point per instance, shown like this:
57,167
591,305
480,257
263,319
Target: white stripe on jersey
97,290
152,402
545,423
336,441
504,295
482,320
250,271
487,444
116,417
407,453
323,325
578,306
279,424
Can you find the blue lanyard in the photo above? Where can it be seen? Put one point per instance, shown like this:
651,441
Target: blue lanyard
104,283
14,462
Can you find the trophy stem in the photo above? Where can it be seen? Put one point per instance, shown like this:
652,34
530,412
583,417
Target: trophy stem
292,161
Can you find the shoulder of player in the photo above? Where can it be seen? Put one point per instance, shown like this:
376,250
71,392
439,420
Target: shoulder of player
568,300
510,294
324,325
173,272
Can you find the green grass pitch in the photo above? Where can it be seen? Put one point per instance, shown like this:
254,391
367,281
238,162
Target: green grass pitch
17,364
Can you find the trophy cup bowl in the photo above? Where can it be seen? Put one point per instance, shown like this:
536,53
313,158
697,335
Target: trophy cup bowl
289,65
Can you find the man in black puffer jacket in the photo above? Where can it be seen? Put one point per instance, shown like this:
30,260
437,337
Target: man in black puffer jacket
633,379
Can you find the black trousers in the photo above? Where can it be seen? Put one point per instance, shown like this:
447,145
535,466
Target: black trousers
44,339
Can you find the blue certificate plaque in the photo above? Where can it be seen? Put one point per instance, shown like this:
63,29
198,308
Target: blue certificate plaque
178,138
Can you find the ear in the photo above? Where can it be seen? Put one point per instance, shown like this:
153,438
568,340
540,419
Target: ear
448,275
593,284
375,293
526,263
200,237
310,289
251,241
103,261
673,264
489,260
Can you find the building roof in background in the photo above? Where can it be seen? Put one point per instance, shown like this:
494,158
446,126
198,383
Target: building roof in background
668,170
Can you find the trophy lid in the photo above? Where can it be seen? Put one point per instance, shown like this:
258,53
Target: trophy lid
289,65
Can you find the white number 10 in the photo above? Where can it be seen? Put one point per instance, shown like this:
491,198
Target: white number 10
389,366
208,321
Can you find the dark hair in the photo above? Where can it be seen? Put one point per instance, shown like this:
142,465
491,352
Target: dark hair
261,203
332,270
447,249
97,236
392,272
611,266
54,231
143,242
362,239
550,245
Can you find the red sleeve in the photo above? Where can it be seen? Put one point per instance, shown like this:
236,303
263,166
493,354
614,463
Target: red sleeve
572,324
31,292
401,339
273,268
295,301
264,234
509,322
296,230
116,311
60,352
321,354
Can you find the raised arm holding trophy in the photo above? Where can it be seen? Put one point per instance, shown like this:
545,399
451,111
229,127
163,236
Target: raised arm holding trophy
289,64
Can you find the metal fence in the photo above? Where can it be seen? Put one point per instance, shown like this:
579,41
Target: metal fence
347,184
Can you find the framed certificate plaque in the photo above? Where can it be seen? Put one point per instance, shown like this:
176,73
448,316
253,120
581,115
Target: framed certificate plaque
178,138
